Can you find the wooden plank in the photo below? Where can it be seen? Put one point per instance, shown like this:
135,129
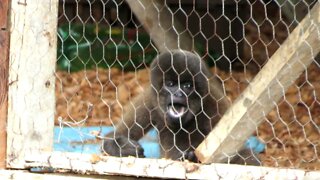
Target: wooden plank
31,98
4,66
163,28
263,93
26,175
158,168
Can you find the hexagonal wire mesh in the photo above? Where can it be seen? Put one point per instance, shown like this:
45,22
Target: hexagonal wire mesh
104,55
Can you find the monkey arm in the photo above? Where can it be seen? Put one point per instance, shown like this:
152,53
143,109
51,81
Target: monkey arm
137,120
123,141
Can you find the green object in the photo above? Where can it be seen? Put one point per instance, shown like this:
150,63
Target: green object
89,46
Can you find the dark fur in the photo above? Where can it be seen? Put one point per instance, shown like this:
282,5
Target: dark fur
205,102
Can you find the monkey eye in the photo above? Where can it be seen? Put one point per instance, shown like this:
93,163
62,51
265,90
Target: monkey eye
169,83
187,85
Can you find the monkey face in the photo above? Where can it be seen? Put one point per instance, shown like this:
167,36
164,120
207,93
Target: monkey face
179,102
178,85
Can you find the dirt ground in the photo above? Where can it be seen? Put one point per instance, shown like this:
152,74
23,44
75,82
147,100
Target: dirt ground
291,131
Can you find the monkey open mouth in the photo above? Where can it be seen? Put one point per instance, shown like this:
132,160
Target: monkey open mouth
176,110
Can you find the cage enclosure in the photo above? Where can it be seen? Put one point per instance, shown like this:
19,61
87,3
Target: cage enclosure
242,88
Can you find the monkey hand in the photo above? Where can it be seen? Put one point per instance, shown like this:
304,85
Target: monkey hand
190,156
122,146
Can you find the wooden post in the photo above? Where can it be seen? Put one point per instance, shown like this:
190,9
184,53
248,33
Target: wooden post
162,27
31,96
4,65
263,93
154,168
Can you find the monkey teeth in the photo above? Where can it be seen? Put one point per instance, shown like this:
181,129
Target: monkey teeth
176,111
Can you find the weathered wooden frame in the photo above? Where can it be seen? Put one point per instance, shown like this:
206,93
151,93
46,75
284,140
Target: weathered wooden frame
27,105
31,98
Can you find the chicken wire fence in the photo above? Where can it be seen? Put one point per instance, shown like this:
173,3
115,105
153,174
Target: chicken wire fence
105,50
